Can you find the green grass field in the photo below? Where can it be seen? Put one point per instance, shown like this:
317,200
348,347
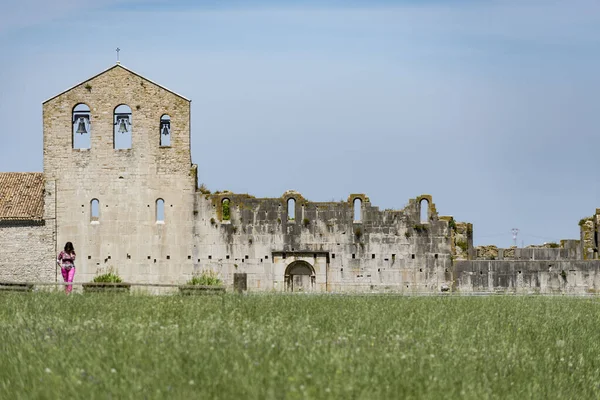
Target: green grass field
283,346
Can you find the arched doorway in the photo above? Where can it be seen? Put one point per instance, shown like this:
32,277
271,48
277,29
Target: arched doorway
300,277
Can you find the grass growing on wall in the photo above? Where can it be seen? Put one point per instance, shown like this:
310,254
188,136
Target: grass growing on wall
266,346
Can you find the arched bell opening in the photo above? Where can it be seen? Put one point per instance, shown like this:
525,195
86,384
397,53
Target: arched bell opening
300,277
81,122
122,122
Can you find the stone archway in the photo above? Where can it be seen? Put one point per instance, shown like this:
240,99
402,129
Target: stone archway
300,277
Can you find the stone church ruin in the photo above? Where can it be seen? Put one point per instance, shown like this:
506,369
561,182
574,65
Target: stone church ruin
118,181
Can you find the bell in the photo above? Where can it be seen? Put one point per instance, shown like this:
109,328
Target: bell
122,126
81,127
165,130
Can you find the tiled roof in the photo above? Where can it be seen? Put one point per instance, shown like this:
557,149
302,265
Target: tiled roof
21,196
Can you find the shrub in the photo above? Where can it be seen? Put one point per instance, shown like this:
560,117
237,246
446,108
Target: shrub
206,278
452,224
306,222
203,189
226,214
420,228
110,276
463,245
582,221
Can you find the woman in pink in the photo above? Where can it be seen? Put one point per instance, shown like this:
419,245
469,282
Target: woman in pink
66,261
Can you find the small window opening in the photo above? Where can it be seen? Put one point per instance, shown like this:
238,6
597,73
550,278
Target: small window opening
424,210
189,257
165,131
82,138
227,257
393,256
149,257
353,255
412,256
357,210
89,257
283,255
246,257
225,208
332,255
266,257
160,210
291,208
95,210
209,257
372,255
129,256
122,127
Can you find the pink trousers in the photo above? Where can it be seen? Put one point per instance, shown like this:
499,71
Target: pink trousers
68,275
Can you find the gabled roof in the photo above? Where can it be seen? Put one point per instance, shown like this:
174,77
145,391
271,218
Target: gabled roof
108,69
21,196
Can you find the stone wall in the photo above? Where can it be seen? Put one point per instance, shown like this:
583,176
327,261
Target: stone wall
384,250
566,250
589,236
527,276
461,239
28,247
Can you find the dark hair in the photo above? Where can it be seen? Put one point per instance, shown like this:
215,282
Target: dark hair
69,248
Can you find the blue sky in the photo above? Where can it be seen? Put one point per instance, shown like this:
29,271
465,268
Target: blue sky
489,106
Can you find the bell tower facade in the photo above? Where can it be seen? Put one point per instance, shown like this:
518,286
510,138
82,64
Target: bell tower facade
117,163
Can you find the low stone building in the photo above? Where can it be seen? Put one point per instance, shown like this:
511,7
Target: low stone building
119,183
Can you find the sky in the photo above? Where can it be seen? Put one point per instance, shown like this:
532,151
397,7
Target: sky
489,106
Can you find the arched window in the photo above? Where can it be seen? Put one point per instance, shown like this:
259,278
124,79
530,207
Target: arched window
160,210
424,210
357,210
94,210
291,209
165,131
122,127
226,210
81,127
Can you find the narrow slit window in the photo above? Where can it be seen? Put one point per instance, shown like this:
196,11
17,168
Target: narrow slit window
291,209
95,210
160,210
226,209
357,210
424,210
165,131
81,127
122,127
